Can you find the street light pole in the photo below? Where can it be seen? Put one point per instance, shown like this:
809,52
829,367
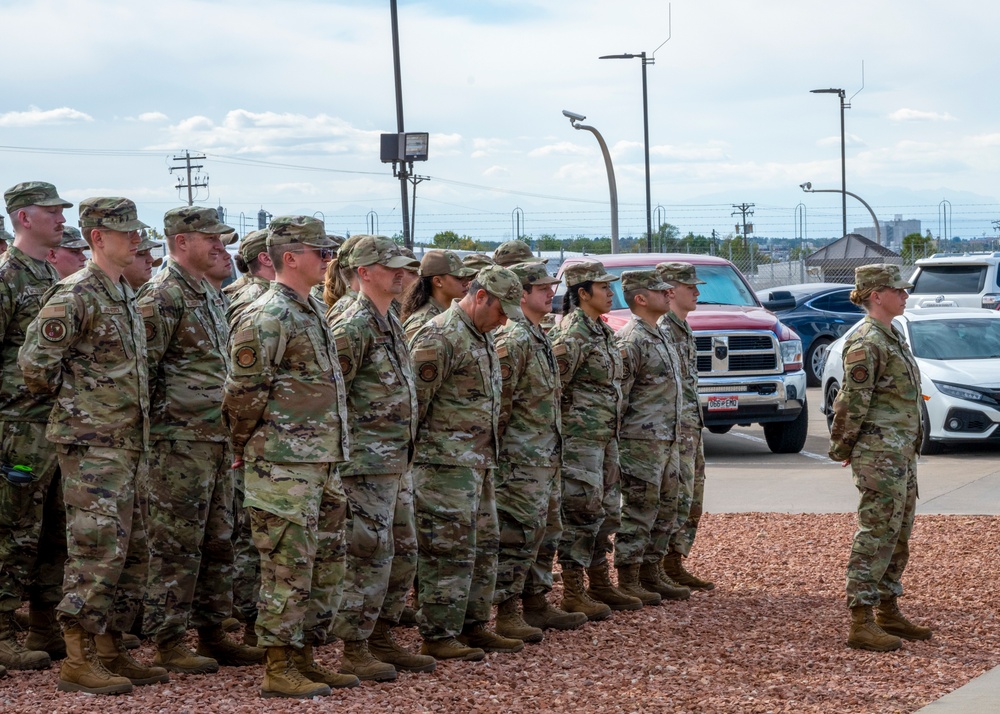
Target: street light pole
843,148
807,187
574,120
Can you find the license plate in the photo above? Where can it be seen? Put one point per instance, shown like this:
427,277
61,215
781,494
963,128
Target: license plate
723,404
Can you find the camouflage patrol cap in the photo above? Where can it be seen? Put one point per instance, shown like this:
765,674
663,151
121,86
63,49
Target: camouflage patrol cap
253,244
879,275
513,252
200,219
415,266
504,285
33,193
477,261
287,230
679,273
643,280
533,274
444,262
147,245
111,212
337,242
371,250
587,271
344,250
72,239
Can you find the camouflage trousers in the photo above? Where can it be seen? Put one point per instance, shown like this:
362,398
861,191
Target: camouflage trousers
523,495
190,538
666,515
32,520
591,501
887,484
371,500
644,465
246,559
302,553
105,573
538,580
691,488
458,540
404,552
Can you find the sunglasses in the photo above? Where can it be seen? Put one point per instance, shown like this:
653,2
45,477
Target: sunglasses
324,253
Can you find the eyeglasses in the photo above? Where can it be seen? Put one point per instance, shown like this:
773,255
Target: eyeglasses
324,253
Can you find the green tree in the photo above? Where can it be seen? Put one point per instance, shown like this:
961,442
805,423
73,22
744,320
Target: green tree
446,239
917,246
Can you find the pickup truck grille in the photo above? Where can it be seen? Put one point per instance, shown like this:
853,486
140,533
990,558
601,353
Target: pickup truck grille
736,353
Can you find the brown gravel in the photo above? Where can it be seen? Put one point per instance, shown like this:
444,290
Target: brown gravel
770,638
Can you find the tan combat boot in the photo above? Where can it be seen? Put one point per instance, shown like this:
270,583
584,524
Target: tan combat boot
130,641
673,566
629,583
44,633
283,679
450,648
83,671
360,662
866,635
892,621
12,654
577,599
383,645
539,612
478,635
215,643
653,578
177,657
309,668
511,624
603,590
111,650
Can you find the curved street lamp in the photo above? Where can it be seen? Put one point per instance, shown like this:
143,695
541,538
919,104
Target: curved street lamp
843,146
808,188
574,120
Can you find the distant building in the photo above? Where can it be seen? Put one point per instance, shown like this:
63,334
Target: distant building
893,231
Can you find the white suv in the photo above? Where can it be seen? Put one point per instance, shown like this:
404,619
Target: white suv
956,280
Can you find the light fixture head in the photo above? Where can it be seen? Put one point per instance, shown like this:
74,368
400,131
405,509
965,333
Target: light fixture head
573,116
807,186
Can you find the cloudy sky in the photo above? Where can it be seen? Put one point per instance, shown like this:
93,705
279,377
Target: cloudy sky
287,101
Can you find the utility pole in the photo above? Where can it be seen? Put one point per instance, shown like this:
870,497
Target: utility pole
744,209
403,176
190,185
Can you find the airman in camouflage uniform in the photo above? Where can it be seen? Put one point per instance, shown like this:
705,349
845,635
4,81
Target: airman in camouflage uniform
340,284
877,430
87,348
32,518
258,272
443,278
458,386
515,251
382,408
691,456
651,390
285,403
69,256
477,261
140,271
5,238
191,482
528,489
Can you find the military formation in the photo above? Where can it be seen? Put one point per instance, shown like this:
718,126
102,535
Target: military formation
342,441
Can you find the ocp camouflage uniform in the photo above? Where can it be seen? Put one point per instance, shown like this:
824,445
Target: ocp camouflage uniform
191,483
345,301
877,425
527,474
651,391
32,517
382,411
690,451
590,369
285,404
87,348
458,384
420,317
241,292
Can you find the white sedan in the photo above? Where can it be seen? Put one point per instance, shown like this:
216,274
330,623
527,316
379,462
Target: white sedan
958,351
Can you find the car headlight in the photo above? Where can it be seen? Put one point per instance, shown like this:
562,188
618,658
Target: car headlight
791,354
967,393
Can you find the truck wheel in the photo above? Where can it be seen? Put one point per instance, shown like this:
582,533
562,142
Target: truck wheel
788,437
815,359
719,428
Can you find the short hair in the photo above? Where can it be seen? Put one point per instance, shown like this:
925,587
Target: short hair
631,295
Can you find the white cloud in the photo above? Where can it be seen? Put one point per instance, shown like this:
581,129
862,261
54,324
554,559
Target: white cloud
905,114
560,148
497,171
36,117
153,116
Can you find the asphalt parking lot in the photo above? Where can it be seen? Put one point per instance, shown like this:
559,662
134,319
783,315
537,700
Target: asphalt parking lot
743,475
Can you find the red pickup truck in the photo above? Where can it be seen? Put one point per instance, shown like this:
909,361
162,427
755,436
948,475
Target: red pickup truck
749,364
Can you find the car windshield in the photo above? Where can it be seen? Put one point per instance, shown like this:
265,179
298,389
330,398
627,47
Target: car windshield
955,338
949,279
723,286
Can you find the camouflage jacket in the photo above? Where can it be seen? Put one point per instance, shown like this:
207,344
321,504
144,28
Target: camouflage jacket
420,316
284,398
679,334
458,392
187,348
345,301
590,368
530,419
87,347
241,293
651,386
878,407
23,282
381,398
